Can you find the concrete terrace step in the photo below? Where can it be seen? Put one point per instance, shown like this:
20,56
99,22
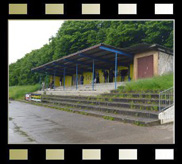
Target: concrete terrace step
131,105
70,93
112,116
104,108
139,95
101,99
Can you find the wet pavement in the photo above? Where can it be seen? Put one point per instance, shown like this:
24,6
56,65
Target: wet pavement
31,124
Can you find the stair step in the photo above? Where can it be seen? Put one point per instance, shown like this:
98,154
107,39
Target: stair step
147,91
114,117
141,95
110,109
108,104
108,99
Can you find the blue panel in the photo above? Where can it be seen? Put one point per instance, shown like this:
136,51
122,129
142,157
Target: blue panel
115,51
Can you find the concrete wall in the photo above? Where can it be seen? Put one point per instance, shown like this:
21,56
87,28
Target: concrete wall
165,63
144,54
167,116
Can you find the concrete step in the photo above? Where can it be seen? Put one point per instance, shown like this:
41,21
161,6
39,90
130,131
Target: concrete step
139,95
131,105
70,93
147,91
104,99
111,116
104,108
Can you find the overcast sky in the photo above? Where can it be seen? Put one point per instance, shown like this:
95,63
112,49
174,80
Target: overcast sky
27,35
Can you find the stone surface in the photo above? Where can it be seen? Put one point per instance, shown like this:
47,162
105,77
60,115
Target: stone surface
165,63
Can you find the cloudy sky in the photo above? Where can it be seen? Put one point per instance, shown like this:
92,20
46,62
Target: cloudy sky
27,35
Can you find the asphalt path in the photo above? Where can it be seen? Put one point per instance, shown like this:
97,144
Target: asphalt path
31,124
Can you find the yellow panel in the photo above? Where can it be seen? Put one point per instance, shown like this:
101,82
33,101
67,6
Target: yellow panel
101,76
68,80
57,79
18,154
17,8
87,77
54,154
54,9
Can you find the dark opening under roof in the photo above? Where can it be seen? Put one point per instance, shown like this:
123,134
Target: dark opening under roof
102,54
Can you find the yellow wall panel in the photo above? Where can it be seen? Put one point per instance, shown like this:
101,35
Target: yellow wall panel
101,76
57,79
57,83
68,80
87,77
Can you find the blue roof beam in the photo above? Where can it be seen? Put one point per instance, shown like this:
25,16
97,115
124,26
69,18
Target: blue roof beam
116,51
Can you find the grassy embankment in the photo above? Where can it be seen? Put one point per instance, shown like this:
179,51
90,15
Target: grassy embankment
18,92
149,84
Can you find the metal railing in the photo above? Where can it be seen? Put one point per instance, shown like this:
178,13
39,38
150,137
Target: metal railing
166,98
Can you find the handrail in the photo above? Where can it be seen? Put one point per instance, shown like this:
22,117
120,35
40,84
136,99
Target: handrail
166,99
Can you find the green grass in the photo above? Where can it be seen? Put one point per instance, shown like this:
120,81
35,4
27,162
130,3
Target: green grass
18,92
149,84
108,118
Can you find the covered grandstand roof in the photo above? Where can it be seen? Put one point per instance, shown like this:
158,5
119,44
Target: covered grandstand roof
102,54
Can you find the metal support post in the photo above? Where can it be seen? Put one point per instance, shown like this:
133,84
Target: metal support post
54,80
129,78
93,70
116,66
76,76
64,77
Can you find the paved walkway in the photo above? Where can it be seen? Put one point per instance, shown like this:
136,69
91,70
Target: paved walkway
35,124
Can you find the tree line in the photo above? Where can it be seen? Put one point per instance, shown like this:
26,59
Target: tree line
73,36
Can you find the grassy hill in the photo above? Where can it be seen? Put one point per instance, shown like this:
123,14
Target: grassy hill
18,92
149,84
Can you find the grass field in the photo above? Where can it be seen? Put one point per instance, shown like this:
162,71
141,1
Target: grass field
149,84
18,92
